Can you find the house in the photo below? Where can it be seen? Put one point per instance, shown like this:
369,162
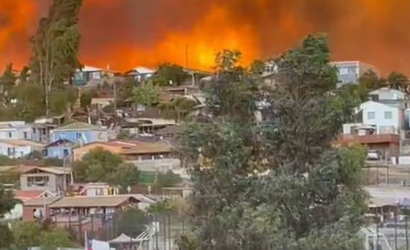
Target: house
37,208
90,74
53,179
351,71
23,196
91,214
60,149
102,102
98,189
389,96
14,148
147,156
378,127
170,132
80,133
140,73
23,131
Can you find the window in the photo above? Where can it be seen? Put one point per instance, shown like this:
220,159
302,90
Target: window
10,135
40,181
343,71
78,135
96,75
11,151
25,135
351,70
371,115
140,108
388,115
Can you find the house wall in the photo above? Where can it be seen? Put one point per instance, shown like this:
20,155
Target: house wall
59,152
383,124
52,185
13,151
350,72
80,136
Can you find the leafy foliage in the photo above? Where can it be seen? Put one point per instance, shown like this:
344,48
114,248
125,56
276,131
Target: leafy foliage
146,94
7,83
276,184
398,81
132,222
55,47
102,165
169,179
178,108
29,234
7,202
169,74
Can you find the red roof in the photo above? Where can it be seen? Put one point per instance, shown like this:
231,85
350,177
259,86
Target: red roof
27,194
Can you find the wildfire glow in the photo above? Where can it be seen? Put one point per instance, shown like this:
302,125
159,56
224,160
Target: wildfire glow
129,33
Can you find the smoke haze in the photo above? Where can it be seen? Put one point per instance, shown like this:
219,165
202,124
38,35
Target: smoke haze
129,33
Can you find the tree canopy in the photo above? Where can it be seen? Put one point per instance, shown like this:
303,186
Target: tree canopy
276,183
146,94
7,203
100,165
169,74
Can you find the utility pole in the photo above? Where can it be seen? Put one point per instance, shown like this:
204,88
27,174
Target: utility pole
186,56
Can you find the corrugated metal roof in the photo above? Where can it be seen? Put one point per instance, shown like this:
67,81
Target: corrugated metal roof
96,201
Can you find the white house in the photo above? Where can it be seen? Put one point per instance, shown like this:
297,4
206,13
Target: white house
387,94
386,119
15,130
14,148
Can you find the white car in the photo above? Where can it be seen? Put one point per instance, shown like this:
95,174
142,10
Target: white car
373,155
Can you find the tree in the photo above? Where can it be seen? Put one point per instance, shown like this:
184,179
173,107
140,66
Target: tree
7,82
125,91
28,104
55,47
146,94
7,202
127,175
32,234
132,222
178,108
277,184
86,98
169,74
398,81
227,60
168,179
62,99
257,67
102,165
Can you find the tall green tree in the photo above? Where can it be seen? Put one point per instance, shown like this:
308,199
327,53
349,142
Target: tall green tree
7,83
398,81
55,47
146,94
169,74
310,195
7,202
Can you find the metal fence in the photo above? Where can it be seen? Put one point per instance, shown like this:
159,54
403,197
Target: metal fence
105,227
387,174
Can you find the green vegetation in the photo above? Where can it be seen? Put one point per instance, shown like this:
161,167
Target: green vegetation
146,94
169,74
178,108
29,234
311,195
100,165
7,202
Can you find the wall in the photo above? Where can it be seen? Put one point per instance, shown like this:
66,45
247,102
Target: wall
51,186
162,165
78,136
59,152
19,152
379,119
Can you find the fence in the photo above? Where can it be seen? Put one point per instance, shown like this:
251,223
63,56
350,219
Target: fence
105,227
387,174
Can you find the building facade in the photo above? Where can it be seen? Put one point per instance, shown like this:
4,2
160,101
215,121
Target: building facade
351,71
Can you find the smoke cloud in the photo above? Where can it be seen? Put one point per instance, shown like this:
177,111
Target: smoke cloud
129,33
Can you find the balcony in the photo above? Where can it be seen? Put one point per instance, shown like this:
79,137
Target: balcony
369,139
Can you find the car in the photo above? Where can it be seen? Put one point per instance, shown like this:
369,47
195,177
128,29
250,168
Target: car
373,155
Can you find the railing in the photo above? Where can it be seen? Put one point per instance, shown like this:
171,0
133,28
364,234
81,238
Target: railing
369,139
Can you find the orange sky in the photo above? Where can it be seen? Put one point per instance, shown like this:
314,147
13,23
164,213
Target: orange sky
129,33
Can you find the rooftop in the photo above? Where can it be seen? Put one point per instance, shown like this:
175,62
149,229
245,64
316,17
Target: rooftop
41,201
95,201
79,126
22,143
